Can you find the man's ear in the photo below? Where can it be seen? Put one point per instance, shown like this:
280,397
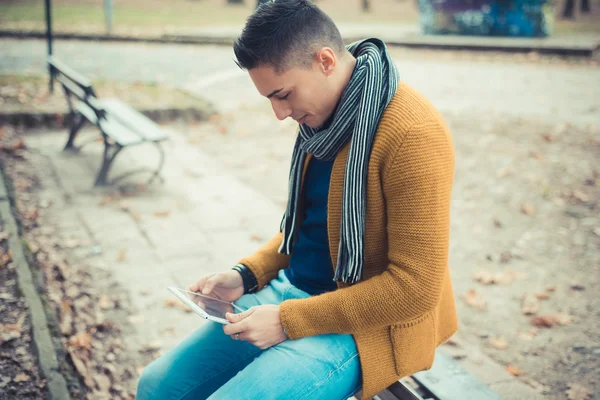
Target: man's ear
326,60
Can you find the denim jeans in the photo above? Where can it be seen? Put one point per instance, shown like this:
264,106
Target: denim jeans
209,364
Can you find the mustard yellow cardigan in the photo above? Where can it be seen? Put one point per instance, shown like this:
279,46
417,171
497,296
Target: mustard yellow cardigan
403,307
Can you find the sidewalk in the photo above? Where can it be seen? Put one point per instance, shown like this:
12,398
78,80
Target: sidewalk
403,35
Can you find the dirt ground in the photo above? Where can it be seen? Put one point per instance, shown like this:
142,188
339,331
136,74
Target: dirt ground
19,373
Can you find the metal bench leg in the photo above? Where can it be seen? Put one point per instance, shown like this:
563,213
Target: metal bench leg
75,127
107,161
161,163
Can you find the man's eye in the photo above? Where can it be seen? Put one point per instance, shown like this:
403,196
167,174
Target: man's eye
285,97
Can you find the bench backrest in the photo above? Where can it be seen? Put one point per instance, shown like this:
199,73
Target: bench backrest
74,84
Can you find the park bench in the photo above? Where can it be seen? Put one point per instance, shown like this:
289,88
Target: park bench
120,125
446,380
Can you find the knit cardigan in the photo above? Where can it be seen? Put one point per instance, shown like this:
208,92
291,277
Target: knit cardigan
403,307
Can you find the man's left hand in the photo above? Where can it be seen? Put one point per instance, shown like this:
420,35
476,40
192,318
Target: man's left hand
259,325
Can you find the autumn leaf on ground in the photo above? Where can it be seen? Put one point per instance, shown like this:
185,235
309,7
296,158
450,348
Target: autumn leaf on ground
497,223
5,258
22,377
3,236
484,277
162,214
530,304
474,300
542,296
548,137
122,255
514,370
578,392
255,238
499,343
550,288
505,257
82,340
545,321
105,201
579,195
527,209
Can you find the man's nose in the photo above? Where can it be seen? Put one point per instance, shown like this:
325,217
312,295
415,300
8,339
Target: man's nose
281,109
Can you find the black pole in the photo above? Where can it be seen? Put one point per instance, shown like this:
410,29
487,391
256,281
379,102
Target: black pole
49,36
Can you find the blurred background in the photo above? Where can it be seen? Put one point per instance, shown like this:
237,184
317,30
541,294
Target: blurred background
84,268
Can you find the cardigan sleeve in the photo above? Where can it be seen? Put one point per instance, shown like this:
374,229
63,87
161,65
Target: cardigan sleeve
267,261
417,185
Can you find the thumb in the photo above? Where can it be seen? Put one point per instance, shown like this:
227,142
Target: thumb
238,317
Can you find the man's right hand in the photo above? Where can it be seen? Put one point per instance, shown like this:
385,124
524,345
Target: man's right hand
227,286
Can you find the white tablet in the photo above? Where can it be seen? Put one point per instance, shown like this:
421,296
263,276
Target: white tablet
207,307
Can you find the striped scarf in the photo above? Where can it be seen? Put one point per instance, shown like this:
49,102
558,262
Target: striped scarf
371,87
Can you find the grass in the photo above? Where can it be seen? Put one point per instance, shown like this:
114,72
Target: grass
167,16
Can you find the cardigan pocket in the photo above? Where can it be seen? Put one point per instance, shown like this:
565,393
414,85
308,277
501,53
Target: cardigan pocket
413,344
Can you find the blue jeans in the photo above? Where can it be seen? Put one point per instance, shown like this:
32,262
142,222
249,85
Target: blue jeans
209,364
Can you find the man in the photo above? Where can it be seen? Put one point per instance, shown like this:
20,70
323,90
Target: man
354,291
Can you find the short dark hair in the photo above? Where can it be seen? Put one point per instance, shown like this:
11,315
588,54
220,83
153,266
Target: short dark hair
284,34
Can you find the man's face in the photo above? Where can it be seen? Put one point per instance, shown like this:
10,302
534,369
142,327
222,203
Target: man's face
305,95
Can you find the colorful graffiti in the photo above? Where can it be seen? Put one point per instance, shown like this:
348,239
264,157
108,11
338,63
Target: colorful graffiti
531,18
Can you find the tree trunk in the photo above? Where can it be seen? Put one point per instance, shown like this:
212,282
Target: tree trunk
569,8
366,6
585,6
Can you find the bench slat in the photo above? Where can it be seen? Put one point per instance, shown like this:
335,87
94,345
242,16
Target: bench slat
138,122
71,74
119,132
447,380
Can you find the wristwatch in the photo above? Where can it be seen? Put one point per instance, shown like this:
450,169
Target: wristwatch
250,282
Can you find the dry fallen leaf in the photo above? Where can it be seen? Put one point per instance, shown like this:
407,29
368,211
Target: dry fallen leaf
578,392
484,277
162,214
174,303
548,137
535,155
529,335
82,340
3,236
542,296
551,288
579,195
122,255
82,367
255,238
527,209
22,377
577,287
545,321
102,382
497,223
530,305
499,343
514,370
474,300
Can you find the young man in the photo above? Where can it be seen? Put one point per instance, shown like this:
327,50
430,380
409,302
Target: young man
354,291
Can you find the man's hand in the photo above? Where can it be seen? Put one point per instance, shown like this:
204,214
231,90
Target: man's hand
259,325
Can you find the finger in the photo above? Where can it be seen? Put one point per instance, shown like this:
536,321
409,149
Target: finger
196,287
210,284
233,318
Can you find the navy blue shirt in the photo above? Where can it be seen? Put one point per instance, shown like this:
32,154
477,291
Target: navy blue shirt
311,269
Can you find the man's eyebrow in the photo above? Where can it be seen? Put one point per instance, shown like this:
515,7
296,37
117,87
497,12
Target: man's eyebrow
273,93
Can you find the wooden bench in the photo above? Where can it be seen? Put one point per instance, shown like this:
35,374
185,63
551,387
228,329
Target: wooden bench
446,380
120,125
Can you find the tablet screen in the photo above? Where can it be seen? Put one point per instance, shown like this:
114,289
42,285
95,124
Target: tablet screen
210,305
